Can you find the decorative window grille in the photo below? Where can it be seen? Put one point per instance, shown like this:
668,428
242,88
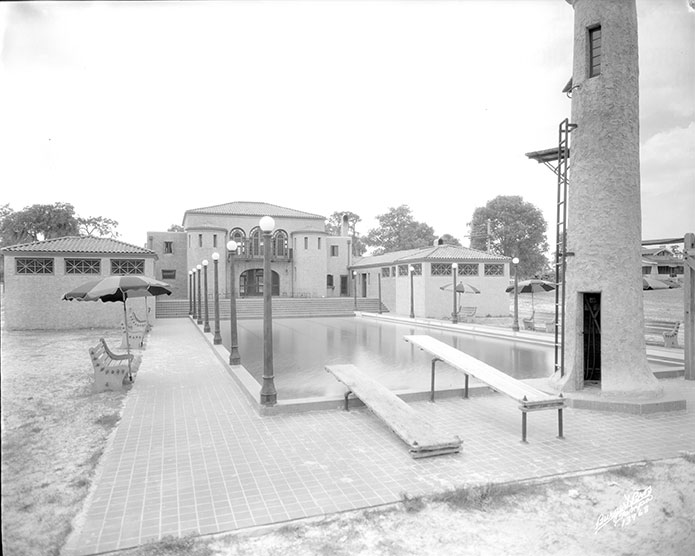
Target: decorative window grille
595,51
34,266
127,266
239,236
402,270
468,269
417,269
393,271
280,243
82,266
494,270
441,269
386,272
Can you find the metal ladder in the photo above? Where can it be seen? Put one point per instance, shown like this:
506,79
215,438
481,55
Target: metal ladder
562,170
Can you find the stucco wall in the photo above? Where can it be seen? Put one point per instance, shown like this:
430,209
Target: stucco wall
33,301
176,260
309,263
604,231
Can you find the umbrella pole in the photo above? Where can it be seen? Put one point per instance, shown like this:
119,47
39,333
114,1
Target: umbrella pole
127,339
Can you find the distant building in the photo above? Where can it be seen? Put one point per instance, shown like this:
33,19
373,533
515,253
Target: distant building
306,261
433,280
661,262
37,274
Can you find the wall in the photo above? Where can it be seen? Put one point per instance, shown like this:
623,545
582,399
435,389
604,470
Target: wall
337,266
34,301
176,260
309,263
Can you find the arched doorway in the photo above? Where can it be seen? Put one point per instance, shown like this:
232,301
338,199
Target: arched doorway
251,283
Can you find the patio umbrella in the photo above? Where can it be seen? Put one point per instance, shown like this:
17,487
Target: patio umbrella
532,286
461,288
119,288
653,284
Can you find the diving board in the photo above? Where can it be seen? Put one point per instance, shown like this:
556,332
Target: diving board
422,439
529,398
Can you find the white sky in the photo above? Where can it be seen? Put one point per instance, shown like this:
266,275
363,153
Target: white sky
138,112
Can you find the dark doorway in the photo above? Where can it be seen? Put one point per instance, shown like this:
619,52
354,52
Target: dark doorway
592,337
343,285
364,285
251,283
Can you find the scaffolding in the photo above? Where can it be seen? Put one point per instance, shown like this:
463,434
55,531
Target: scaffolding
557,160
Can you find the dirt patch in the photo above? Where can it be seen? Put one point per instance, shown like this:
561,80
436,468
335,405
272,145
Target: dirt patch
54,429
644,509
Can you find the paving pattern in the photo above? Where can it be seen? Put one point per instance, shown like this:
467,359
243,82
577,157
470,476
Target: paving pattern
192,455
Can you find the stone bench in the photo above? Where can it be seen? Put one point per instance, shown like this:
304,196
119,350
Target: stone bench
667,329
110,369
422,439
135,337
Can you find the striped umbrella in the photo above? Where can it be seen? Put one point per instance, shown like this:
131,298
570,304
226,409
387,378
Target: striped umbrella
532,286
119,288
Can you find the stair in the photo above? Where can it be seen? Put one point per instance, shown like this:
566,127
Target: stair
283,307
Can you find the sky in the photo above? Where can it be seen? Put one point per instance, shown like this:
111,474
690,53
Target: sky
140,111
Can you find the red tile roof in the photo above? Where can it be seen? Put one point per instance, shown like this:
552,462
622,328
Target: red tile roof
79,245
242,208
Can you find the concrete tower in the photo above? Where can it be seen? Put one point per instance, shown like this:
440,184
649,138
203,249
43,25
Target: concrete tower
604,319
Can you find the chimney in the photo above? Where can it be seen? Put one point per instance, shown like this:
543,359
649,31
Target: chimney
345,227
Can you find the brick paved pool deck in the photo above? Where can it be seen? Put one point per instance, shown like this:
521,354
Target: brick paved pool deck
191,454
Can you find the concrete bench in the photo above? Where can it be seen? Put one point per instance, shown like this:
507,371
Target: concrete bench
466,314
667,329
136,323
540,321
528,397
110,369
422,439
136,337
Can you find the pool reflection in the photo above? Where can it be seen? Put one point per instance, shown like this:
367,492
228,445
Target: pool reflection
302,348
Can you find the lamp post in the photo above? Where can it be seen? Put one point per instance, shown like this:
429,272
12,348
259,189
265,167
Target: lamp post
199,316
412,298
234,358
268,392
216,338
206,322
515,324
193,314
455,313
354,287
190,293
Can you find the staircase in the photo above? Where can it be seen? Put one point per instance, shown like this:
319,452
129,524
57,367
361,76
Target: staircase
283,307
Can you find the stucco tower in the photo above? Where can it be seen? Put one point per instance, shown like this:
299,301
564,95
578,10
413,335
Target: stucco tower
604,319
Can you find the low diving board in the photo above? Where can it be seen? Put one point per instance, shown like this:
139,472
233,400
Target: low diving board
422,439
529,398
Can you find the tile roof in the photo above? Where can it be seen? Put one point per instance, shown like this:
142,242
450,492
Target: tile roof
437,253
243,208
78,245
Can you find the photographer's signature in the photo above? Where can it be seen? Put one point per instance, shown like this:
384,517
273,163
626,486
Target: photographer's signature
634,505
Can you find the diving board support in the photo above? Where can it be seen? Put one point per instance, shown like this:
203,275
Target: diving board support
529,398
423,439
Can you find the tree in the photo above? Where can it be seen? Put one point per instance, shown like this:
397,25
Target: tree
176,228
517,229
398,230
334,226
97,226
448,239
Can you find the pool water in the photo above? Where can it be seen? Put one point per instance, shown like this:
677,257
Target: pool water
303,347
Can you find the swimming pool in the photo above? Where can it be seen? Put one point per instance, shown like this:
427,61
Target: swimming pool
303,347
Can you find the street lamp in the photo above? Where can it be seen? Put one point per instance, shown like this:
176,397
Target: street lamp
234,358
268,393
206,325
194,314
411,268
199,320
515,324
190,293
354,287
455,313
217,338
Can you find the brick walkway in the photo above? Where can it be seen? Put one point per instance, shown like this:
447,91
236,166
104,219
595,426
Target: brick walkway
191,454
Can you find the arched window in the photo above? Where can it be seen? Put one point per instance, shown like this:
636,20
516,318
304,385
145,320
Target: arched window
280,241
239,235
255,237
